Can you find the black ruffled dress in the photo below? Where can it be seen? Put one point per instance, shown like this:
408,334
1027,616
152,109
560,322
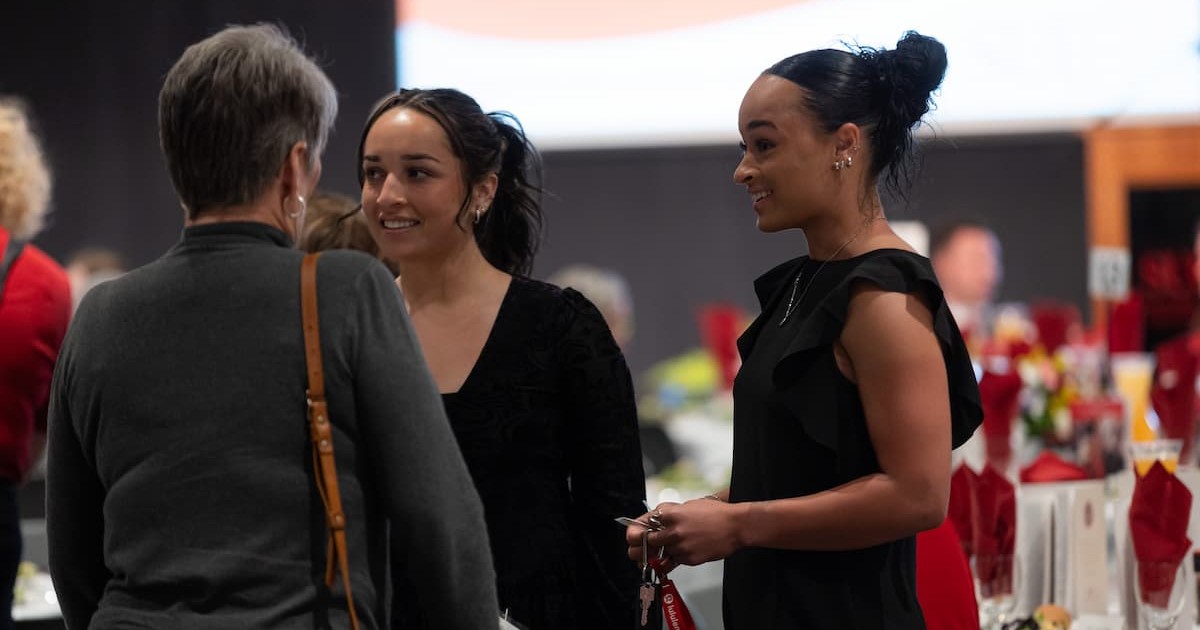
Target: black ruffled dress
799,429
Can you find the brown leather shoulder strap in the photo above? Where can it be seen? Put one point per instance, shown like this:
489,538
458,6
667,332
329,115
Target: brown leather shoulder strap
321,434
312,330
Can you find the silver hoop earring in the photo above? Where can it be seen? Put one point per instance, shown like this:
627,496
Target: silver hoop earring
303,207
478,215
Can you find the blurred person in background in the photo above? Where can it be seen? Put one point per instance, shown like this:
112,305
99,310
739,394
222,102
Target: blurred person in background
855,383
180,473
536,387
966,257
333,221
35,307
89,267
606,289
609,291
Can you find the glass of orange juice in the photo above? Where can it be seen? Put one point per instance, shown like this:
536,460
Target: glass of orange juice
1133,373
1144,454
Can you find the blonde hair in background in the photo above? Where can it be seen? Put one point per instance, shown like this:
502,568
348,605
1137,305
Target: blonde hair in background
24,176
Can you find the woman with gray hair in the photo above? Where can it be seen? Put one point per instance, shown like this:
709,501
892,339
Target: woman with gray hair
180,484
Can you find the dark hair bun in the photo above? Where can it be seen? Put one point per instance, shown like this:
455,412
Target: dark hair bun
886,92
909,74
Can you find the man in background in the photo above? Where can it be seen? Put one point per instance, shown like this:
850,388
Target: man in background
966,257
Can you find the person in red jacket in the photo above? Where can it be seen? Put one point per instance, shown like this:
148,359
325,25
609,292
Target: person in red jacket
35,306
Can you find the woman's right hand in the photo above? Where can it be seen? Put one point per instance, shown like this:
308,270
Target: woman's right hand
692,533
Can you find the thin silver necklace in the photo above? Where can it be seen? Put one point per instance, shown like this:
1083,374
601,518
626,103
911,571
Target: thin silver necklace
793,301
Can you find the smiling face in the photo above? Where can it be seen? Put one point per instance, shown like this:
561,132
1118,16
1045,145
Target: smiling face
413,190
787,165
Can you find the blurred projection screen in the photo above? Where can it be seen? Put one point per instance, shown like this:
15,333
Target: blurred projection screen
590,73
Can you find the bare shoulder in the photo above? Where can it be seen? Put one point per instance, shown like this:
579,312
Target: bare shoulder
885,324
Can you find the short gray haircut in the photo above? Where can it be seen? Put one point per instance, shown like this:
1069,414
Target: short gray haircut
231,109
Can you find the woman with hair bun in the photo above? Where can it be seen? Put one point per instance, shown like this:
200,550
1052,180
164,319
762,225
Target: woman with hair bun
536,390
855,384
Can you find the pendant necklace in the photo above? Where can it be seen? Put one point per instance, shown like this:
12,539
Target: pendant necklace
793,301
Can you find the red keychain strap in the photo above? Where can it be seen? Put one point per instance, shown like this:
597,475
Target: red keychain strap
675,610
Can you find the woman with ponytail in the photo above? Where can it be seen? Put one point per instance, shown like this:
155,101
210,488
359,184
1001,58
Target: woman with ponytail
536,390
855,383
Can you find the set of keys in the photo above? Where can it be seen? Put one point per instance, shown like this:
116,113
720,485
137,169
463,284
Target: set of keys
649,589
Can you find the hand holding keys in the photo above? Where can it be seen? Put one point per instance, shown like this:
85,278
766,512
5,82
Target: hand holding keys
649,588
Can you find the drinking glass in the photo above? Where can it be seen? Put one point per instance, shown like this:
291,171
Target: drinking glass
1144,454
997,593
1133,374
1161,608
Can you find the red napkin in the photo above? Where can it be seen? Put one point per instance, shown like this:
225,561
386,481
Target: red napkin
994,520
1053,320
1000,395
1173,393
1158,521
720,325
1126,326
962,494
1049,467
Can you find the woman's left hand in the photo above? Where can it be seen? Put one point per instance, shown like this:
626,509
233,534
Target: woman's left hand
696,532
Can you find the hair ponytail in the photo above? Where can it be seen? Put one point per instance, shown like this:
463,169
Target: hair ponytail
510,233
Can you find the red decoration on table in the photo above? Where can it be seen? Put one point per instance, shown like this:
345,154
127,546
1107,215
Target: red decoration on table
720,326
1000,395
1126,325
1173,392
962,495
1158,521
994,521
1049,467
1053,321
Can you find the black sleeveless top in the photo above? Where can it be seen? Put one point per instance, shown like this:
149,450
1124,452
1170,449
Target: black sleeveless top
799,429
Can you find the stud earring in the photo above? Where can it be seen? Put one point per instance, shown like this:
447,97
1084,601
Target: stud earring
849,161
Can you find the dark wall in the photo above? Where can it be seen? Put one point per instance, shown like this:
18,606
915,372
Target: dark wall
670,219
91,72
673,222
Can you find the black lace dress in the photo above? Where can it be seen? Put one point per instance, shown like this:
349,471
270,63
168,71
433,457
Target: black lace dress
799,429
548,427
